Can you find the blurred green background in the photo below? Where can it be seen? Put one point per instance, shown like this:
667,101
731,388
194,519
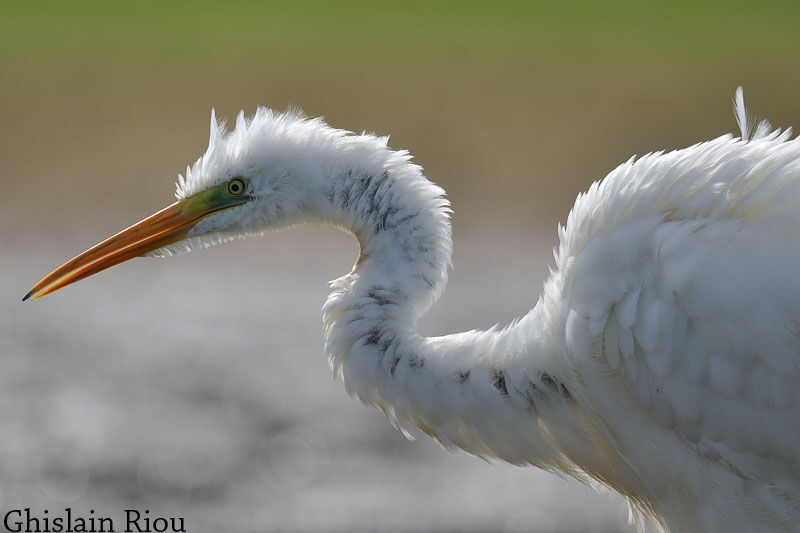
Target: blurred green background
513,107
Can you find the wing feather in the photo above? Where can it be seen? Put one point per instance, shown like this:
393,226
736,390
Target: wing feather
685,268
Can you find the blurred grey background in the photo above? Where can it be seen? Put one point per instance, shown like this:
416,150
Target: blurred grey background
195,386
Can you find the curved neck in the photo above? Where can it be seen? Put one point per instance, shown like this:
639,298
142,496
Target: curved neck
402,224
468,389
401,221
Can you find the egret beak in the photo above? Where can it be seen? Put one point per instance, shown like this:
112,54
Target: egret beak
169,225
165,227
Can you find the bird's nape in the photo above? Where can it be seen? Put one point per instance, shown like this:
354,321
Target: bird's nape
167,226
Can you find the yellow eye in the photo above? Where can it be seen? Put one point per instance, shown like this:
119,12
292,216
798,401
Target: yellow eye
236,187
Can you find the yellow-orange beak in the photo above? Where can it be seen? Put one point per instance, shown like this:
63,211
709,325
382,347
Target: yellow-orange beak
170,225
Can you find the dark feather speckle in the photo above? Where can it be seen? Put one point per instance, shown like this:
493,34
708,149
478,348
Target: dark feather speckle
549,382
499,382
395,362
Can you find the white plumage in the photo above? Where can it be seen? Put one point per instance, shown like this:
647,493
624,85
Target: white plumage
662,359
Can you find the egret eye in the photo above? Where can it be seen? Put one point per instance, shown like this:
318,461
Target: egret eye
236,187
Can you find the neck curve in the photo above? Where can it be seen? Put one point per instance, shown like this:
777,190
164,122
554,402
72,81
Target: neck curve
467,390
402,223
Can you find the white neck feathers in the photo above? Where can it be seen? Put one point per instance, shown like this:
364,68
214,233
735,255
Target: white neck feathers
401,221
464,390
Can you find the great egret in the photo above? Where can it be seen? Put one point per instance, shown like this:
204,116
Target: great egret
662,358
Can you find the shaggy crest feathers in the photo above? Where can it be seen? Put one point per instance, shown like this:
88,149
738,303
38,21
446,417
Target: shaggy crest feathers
299,148
250,136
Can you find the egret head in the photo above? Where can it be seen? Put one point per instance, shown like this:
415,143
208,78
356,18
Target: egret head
259,176
263,174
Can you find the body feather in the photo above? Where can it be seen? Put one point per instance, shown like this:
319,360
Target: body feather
690,261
